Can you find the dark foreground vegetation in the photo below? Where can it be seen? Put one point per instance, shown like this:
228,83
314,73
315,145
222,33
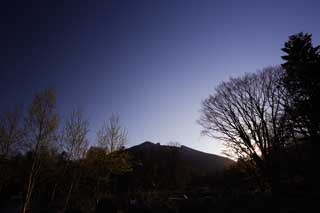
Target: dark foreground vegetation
268,120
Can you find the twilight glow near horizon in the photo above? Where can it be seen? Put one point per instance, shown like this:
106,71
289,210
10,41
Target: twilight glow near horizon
152,62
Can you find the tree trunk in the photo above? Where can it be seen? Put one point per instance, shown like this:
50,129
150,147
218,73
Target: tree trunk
68,197
53,194
30,187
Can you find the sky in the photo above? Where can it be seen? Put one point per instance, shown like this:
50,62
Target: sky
152,62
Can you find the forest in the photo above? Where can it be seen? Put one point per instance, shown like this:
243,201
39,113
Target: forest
269,122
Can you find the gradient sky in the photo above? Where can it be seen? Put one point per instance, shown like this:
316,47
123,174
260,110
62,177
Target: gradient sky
153,62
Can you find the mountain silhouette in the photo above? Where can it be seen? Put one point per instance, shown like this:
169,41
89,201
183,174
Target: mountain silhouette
162,166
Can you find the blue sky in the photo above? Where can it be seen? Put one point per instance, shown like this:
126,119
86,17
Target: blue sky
152,62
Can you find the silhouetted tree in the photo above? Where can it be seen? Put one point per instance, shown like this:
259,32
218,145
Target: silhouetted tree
248,114
76,145
174,144
302,80
112,137
109,158
11,134
11,143
75,135
41,125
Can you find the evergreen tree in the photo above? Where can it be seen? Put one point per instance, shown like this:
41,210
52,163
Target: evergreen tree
302,81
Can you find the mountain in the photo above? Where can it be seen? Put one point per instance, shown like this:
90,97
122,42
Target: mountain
202,162
159,166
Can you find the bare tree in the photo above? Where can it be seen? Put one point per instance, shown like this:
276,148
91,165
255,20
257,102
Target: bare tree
76,145
11,143
174,144
248,114
11,134
112,137
75,135
109,157
41,125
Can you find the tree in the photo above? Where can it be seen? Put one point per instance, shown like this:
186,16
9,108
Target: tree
76,145
11,134
174,144
41,125
302,80
109,158
75,135
248,114
112,137
11,143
